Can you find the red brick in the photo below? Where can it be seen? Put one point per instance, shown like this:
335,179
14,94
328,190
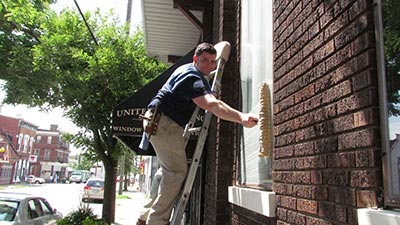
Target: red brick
342,195
296,218
364,178
307,206
285,201
366,199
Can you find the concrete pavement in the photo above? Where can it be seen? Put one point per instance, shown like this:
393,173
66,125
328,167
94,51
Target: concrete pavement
127,210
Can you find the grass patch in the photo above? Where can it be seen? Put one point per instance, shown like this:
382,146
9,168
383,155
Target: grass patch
7,187
123,197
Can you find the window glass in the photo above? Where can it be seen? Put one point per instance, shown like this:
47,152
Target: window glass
45,207
25,144
20,137
95,183
8,210
31,143
256,66
49,138
33,210
47,154
391,41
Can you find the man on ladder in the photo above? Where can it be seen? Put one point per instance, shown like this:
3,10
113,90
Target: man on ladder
169,112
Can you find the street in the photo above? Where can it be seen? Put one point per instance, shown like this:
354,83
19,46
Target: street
67,198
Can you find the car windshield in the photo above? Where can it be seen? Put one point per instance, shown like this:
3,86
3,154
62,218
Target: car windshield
8,210
76,173
95,183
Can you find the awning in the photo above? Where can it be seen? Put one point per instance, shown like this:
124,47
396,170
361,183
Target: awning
126,125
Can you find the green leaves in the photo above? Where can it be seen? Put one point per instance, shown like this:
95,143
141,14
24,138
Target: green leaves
391,15
51,60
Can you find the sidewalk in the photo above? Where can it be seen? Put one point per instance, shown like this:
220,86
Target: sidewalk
127,210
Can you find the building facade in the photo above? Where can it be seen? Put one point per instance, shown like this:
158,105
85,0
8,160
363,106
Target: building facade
25,149
52,153
326,161
18,136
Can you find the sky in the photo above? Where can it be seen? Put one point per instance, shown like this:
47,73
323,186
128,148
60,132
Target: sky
44,120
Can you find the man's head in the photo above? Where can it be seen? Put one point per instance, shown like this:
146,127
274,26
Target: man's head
204,58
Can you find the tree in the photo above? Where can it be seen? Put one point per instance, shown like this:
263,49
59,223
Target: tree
84,162
50,60
391,16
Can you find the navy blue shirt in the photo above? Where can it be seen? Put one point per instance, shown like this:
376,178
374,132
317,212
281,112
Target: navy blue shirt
174,99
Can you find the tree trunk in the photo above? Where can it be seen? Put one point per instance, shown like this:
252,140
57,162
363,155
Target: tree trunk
110,166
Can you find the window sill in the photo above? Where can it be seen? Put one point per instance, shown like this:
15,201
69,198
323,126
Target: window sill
369,216
262,202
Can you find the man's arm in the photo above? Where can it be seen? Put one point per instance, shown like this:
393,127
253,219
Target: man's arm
224,111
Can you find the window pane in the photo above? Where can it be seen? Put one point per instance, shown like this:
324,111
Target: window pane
391,35
45,207
256,67
7,210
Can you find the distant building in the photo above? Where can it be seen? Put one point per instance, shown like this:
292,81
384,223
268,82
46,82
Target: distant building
18,139
52,152
25,150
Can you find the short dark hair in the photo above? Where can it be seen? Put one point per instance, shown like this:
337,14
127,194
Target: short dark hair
205,47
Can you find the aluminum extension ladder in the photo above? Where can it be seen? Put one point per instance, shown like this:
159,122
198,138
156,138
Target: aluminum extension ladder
223,50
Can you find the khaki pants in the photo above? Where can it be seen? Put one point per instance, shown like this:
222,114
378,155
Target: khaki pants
144,214
169,146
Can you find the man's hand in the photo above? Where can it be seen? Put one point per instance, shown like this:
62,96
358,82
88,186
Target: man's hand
249,120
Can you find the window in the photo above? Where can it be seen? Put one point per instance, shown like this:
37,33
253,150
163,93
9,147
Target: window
20,137
45,207
8,210
256,66
49,139
31,143
390,86
34,210
38,139
47,154
26,143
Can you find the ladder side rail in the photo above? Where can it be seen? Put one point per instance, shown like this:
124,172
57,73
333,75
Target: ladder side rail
183,199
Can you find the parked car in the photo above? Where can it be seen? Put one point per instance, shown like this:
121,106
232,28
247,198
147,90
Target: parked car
32,179
79,176
23,209
93,190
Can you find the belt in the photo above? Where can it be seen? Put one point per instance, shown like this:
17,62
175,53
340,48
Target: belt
151,119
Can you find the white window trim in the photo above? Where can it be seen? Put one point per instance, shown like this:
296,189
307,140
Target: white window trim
369,216
262,202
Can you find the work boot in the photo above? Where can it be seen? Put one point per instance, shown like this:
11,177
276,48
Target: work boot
141,222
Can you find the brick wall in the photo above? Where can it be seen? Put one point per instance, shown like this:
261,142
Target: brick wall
223,149
10,126
222,139
326,117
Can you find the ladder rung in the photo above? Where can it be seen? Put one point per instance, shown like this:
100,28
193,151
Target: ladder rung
195,130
